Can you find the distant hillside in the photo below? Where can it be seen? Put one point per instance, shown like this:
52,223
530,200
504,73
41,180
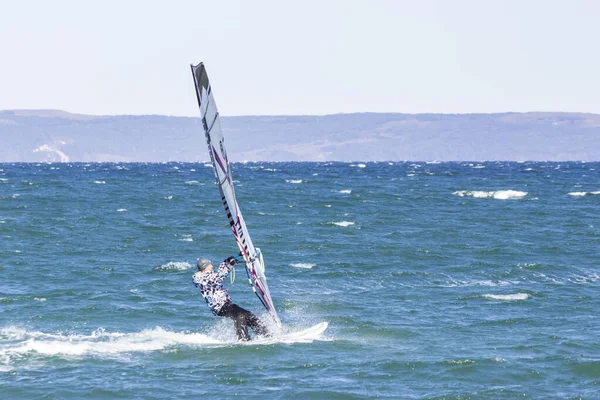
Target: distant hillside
53,135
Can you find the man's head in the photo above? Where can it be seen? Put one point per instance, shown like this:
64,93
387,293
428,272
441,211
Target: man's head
203,264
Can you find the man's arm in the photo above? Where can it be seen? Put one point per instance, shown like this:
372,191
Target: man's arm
226,267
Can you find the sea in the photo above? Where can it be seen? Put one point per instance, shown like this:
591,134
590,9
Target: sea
452,280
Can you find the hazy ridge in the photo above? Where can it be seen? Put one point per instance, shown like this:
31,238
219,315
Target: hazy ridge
55,135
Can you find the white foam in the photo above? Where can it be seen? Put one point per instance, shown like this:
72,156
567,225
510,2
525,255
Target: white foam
494,194
18,343
583,193
303,265
121,210
342,223
169,198
293,180
507,297
100,182
40,299
103,343
192,182
174,266
187,238
346,191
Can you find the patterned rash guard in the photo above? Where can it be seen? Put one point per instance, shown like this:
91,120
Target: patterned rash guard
211,287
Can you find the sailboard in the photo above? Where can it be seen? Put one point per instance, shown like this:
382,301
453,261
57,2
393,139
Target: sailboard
211,122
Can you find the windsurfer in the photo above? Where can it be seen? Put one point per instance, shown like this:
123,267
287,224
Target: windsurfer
217,298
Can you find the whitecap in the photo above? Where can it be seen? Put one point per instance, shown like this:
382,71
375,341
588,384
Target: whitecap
494,194
174,266
101,343
100,182
40,299
346,191
507,297
303,265
192,182
169,198
342,223
293,180
584,193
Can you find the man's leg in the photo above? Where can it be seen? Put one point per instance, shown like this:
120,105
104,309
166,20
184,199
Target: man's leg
237,315
253,322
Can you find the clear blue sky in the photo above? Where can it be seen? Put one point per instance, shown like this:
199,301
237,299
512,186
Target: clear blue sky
301,57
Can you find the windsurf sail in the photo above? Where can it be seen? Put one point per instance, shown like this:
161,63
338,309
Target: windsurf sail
211,122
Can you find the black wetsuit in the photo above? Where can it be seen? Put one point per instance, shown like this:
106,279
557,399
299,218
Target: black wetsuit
211,288
242,319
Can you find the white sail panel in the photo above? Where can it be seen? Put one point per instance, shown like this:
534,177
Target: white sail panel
216,147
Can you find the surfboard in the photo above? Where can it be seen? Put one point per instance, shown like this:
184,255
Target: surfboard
304,335
312,332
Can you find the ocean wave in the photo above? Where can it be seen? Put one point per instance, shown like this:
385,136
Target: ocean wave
343,224
174,266
100,182
507,297
584,193
346,191
303,265
293,180
98,342
17,343
494,194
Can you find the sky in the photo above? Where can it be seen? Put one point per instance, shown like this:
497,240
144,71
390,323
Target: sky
301,57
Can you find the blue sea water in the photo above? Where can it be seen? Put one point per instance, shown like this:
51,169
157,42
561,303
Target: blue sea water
438,280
